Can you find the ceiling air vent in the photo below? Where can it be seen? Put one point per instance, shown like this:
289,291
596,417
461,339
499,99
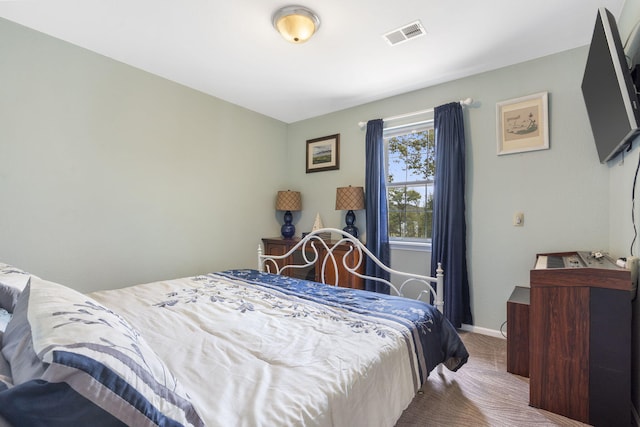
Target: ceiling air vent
405,33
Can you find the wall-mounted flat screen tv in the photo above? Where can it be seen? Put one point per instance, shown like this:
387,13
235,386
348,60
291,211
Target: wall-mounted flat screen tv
608,90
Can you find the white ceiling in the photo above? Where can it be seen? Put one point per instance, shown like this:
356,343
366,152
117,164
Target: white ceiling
230,50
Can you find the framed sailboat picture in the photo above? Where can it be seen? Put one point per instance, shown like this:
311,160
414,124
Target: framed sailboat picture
523,124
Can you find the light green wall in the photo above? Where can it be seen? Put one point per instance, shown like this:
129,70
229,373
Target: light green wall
563,191
110,176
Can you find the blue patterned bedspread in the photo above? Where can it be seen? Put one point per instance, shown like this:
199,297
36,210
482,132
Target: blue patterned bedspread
435,339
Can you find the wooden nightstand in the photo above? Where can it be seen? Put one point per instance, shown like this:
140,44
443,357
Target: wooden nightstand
280,246
518,331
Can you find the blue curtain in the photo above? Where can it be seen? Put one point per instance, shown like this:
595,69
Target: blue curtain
449,239
376,205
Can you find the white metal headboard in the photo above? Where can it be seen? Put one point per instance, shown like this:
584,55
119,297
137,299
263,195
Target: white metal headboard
309,249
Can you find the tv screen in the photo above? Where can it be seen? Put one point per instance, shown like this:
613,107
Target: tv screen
608,90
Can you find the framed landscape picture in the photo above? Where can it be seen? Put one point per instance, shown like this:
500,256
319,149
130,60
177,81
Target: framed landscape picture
323,154
523,124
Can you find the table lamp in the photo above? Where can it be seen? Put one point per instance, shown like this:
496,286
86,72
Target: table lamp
288,201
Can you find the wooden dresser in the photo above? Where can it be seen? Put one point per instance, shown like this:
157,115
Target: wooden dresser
280,246
580,338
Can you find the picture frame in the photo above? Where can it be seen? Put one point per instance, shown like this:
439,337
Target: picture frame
323,154
522,124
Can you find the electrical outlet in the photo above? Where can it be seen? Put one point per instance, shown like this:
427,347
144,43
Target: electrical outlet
518,219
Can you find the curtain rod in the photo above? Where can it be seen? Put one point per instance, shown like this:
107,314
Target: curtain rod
463,102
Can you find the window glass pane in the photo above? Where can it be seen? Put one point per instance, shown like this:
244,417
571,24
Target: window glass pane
411,156
410,211
410,172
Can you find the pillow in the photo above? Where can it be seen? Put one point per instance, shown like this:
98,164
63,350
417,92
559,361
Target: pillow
5,316
5,371
12,283
75,362
17,346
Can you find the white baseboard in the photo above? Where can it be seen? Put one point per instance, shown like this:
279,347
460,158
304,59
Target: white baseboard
482,331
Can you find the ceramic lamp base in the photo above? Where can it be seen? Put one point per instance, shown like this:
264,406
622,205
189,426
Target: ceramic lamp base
350,219
288,229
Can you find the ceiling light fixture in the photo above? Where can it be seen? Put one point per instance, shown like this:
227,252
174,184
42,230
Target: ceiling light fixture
296,23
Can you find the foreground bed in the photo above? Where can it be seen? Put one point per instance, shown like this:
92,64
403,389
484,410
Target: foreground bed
240,347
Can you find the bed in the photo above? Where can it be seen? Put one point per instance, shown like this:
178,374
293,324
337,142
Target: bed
243,347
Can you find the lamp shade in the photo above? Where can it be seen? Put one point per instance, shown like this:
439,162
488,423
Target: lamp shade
349,198
288,201
296,23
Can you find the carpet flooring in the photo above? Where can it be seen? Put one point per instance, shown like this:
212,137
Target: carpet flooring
481,393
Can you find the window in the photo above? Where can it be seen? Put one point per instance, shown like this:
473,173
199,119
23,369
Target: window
410,152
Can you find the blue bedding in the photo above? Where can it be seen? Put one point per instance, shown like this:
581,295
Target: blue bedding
435,339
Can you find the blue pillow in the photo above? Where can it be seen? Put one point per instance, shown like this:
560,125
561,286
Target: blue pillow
75,362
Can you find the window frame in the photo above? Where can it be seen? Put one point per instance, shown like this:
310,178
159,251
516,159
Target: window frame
407,243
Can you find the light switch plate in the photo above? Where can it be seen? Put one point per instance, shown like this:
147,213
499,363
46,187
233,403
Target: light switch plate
518,219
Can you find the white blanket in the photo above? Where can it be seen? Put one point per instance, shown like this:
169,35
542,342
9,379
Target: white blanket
251,356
